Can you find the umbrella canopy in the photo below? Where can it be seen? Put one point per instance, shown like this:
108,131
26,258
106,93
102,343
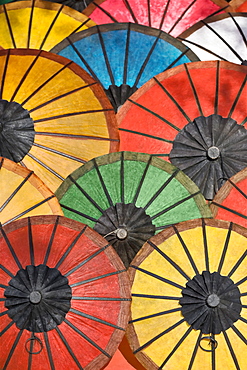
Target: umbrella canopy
234,5
223,36
123,56
20,25
189,295
172,16
54,116
78,5
128,197
242,7
23,194
230,202
57,310
187,113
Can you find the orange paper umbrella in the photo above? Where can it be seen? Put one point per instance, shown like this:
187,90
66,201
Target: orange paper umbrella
172,16
54,116
195,114
38,24
189,295
23,194
230,203
64,296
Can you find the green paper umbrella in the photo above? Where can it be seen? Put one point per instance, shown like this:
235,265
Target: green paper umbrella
128,197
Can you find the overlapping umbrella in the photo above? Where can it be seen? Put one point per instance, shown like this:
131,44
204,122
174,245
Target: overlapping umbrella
230,203
195,114
54,116
128,197
57,310
23,194
38,24
223,36
172,16
123,56
189,292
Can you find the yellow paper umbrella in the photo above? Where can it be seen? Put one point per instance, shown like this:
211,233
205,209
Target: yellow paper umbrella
189,295
38,24
54,116
23,194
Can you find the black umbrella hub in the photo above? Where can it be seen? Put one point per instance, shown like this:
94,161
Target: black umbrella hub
211,302
38,298
16,131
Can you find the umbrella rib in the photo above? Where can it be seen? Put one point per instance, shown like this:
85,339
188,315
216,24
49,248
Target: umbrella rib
68,346
237,264
172,99
70,247
181,16
106,12
100,299
3,286
6,271
60,153
126,3
229,209
142,180
126,58
156,315
205,243
164,14
78,213
158,336
222,259
239,334
61,96
48,348
167,281
237,97
9,26
238,189
152,296
155,114
173,263
144,64
45,166
78,28
188,331
11,249
216,102
149,14
48,250
12,349
7,328
222,39
93,318
122,176
30,24
177,59
108,66
30,356
174,205
72,114
202,47
30,237
47,81
195,351
147,135
97,278
231,350
4,312
193,89
86,260
4,72
241,281
239,29
192,262
75,136
213,355
15,191
102,183
51,25
87,338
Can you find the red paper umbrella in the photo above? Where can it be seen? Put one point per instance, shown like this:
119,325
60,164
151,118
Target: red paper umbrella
172,16
197,111
230,203
64,296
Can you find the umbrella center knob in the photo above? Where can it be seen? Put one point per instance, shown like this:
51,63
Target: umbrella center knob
35,297
121,233
213,300
213,152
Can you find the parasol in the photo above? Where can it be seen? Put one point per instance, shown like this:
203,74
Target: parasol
172,16
23,194
123,56
38,24
189,295
230,202
64,115
223,36
128,197
187,113
57,309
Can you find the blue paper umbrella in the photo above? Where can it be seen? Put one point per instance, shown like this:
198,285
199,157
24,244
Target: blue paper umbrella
123,56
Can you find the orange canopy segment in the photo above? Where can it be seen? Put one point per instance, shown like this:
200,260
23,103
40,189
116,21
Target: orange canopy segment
64,115
38,24
23,194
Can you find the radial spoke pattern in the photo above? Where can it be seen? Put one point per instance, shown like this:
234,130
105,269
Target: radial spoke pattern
212,302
